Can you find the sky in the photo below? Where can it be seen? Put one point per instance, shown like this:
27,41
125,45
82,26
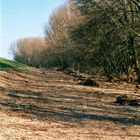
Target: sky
23,18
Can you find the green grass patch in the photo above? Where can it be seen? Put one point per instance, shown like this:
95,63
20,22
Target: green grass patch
11,65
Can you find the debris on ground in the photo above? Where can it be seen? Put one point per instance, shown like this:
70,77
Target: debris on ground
124,100
89,82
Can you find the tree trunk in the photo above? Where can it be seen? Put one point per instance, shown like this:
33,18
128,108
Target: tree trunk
134,55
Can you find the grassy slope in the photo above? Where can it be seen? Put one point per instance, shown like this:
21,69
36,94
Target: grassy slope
8,65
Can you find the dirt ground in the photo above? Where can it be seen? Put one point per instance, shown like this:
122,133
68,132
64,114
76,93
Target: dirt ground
50,105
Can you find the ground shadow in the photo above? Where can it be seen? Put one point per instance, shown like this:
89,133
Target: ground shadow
51,110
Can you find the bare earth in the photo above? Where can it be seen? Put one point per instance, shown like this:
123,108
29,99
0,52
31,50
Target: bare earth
49,105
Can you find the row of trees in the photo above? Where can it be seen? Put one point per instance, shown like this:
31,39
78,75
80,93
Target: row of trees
95,36
112,35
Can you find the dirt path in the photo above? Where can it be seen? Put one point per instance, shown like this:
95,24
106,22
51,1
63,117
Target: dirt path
40,105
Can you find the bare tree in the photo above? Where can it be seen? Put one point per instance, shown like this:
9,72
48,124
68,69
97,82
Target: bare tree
27,50
58,37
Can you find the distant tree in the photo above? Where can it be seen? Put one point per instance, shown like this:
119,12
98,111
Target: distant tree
58,37
28,51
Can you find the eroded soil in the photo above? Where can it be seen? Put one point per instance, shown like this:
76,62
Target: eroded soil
47,104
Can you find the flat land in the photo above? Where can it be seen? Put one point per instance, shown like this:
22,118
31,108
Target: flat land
48,104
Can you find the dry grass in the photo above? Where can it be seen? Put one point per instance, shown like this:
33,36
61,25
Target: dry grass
41,104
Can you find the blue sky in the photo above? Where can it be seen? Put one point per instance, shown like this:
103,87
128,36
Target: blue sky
23,18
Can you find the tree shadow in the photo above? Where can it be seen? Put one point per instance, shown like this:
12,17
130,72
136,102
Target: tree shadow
28,102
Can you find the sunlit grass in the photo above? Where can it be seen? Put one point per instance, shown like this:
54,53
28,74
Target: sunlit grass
11,65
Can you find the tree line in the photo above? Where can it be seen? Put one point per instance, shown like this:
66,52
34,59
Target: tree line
100,37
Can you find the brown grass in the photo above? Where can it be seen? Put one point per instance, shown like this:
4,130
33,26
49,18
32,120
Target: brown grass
50,105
